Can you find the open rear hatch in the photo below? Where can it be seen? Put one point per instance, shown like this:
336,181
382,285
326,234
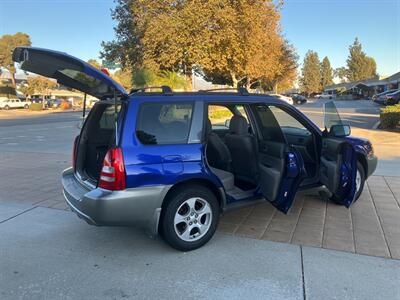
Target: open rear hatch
100,131
68,71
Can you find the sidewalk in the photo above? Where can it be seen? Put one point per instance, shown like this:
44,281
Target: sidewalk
387,148
50,254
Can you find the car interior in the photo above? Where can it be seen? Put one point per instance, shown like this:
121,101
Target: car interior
97,137
245,155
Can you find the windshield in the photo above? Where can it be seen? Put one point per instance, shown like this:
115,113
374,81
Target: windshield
331,115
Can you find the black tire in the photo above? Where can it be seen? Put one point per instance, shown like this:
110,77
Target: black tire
361,170
6,107
26,106
173,202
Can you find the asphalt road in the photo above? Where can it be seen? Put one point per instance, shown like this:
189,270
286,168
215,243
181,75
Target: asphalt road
359,113
51,133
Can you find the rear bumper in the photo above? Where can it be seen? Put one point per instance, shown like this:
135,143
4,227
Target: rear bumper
136,206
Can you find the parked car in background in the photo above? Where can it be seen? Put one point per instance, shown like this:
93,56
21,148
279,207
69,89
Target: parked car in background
389,98
325,96
287,99
54,103
376,96
155,160
298,99
6,103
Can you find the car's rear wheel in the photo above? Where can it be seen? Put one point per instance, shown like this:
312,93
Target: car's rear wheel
6,107
26,106
189,218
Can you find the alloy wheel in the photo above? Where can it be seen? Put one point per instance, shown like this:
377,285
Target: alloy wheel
193,219
358,181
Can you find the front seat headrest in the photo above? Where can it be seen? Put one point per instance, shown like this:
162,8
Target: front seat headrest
238,125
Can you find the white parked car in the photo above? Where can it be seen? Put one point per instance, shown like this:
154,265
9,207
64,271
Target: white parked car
6,103
283,98
325,96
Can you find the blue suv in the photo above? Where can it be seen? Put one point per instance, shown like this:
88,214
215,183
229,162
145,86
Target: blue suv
172,162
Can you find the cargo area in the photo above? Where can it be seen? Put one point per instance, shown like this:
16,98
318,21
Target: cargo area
96,138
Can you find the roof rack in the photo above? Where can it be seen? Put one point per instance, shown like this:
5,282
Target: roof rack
241,90
164,89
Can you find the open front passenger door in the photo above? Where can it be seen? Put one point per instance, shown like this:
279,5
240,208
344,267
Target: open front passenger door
338,168
281,166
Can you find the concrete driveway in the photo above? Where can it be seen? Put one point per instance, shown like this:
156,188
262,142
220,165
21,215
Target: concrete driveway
50,254
47,252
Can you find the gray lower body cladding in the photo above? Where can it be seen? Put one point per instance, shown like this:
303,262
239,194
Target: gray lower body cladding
131,207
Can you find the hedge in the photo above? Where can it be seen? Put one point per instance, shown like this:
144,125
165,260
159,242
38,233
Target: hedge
390,116
36,106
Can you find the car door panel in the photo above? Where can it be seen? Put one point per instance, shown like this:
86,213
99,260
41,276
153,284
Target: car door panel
338,169
271,159
281,167
281,172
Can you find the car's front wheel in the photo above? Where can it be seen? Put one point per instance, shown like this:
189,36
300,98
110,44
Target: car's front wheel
360,180
189,218
26,106
6,107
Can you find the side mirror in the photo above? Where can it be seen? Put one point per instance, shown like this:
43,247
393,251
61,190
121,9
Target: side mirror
227,123
340,130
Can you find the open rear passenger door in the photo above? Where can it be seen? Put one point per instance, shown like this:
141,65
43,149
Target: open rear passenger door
281,166
338,167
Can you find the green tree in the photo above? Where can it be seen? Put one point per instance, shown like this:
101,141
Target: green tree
145,77
234,42
326,72
124,78
310,81
40,85
8,43
95,63
27,90
286,74
359,65
341,73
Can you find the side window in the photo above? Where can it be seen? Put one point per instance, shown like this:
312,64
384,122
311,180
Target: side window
219,116
242,111
278,125
284,119
270,128
164,123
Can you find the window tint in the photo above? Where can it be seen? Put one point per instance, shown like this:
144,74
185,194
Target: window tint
107,118
164,123
242,111
219,116
270,128
284,119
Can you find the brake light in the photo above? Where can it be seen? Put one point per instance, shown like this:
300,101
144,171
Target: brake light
74,151
112,175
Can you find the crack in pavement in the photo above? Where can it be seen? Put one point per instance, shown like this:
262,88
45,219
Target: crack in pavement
25,211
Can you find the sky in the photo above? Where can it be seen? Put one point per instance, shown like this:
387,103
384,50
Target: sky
327,26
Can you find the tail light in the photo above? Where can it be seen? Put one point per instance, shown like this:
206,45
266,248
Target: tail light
74,151
112,175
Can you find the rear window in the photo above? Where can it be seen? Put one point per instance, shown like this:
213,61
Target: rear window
107,120
164,123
